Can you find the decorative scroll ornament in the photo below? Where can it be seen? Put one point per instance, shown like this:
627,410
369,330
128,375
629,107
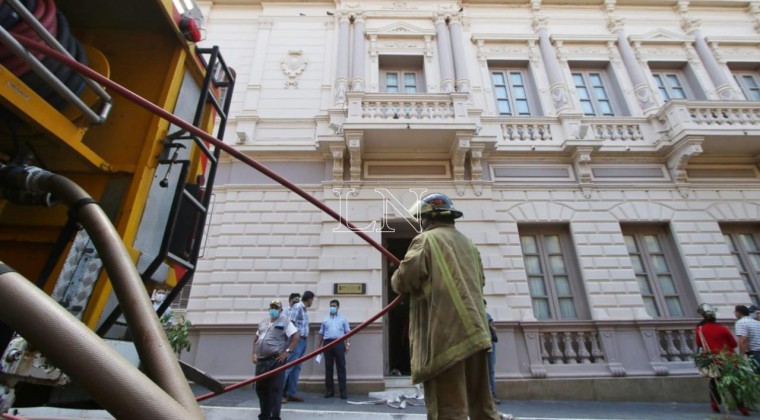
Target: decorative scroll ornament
293,66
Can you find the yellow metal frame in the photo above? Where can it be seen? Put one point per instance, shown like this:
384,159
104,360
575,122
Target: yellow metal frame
137,195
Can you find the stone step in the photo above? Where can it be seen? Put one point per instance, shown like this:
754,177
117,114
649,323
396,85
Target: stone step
398,382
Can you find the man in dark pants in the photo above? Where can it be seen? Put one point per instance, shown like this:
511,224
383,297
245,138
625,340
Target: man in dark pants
300,318
334,327
275,340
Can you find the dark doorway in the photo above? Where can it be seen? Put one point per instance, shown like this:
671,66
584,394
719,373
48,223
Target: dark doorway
397,326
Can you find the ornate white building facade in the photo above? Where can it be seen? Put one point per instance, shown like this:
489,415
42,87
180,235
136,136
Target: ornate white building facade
604,153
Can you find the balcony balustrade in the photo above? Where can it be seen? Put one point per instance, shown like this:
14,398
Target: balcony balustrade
604,348
408,108
711,123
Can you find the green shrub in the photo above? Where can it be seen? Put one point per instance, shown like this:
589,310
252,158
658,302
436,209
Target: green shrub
738,381
178,333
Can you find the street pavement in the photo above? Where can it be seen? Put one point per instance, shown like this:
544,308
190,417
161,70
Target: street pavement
242,404
336,408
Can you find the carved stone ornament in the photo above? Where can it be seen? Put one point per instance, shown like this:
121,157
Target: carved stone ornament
400,5
645,96
726,92
560,97
581,160
615,23
540,22
293,66
463,86
340,91
534,54
679,158
447,86
609,5
690,25
337,155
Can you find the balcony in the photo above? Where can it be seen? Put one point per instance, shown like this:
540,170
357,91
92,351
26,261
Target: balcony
555,135
399,110
387,126
724,128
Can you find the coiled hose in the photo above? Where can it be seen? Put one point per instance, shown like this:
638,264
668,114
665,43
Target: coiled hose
54,22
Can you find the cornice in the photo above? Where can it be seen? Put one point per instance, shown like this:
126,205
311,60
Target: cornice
526,3
583,39
494,37
734,40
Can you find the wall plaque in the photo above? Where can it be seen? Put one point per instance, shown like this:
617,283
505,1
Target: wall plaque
350,288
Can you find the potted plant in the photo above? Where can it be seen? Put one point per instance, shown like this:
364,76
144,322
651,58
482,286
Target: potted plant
735,377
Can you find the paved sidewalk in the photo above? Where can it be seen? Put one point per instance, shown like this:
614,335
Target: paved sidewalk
242,404
335,408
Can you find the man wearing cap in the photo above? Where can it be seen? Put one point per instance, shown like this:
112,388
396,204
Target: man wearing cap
274,341
748,334
443,277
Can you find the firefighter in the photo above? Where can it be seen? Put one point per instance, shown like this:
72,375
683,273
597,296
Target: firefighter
449,336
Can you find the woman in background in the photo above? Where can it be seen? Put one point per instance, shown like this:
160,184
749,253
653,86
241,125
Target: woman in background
715,338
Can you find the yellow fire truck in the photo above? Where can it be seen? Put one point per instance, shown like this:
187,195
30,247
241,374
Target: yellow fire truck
101,201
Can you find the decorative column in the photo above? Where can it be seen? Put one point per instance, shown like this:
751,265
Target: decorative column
557,86
444,53
641,88
720,79
460,58
359,54
341,80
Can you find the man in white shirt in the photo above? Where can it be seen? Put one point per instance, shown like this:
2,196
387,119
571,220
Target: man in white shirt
748,334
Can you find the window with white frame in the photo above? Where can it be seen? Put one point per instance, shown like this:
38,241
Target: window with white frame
511,92
592,88
553,278
401,74
659,273
749,83
744,243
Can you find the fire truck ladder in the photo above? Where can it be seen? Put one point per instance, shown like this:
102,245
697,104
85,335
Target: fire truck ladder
190,198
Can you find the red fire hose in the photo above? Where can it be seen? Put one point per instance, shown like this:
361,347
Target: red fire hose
140,101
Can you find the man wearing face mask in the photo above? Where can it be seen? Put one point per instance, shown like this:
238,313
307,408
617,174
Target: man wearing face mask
274,341
334,327
300,318
158,298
